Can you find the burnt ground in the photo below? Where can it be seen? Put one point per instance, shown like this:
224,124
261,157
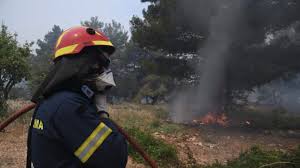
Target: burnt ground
202,145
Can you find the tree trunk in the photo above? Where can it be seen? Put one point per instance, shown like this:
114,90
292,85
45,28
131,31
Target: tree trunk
8,88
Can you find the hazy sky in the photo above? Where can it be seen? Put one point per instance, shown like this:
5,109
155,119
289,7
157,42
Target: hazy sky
32,19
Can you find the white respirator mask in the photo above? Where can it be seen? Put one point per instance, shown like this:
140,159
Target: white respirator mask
104,81
100,84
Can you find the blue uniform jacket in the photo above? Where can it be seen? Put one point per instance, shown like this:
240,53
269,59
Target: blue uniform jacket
68,132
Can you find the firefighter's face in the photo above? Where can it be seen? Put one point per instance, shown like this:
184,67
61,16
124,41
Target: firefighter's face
99,61
99,75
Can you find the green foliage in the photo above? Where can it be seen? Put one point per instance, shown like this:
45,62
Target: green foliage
114,30
93,23
263,119
153,86
171,67
257,158
139,72
161,74
155,124
164,154
13,63
176,26
41,62
117,34
166,26
161,113
3,108
170,128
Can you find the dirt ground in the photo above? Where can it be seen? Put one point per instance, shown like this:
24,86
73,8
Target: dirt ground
13,148
199,144
205,145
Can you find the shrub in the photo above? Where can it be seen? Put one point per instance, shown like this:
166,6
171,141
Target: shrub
3,108
275,119
164,154
170,128
257,158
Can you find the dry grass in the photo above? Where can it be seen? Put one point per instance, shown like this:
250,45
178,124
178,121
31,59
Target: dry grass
195,145
13,146
13,140
130,115
14,105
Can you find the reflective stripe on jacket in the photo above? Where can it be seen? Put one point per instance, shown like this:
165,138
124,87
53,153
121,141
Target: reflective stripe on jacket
68,132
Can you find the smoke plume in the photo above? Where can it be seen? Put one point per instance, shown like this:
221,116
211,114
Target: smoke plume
209,95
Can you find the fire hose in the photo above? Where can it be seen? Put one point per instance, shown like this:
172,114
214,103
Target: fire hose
131,141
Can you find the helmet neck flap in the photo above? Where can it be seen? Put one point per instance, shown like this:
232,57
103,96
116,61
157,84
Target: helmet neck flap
72,71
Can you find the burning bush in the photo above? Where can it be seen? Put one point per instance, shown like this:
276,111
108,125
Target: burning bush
213,119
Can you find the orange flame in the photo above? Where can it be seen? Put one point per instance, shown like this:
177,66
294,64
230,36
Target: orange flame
213,118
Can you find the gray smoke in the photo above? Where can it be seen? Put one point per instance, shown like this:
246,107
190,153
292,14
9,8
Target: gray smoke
209,95
278,94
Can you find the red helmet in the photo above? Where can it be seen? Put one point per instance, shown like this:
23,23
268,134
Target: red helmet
73,40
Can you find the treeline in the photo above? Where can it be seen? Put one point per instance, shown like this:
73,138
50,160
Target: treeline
163,53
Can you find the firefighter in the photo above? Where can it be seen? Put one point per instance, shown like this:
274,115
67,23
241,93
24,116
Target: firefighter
70,127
